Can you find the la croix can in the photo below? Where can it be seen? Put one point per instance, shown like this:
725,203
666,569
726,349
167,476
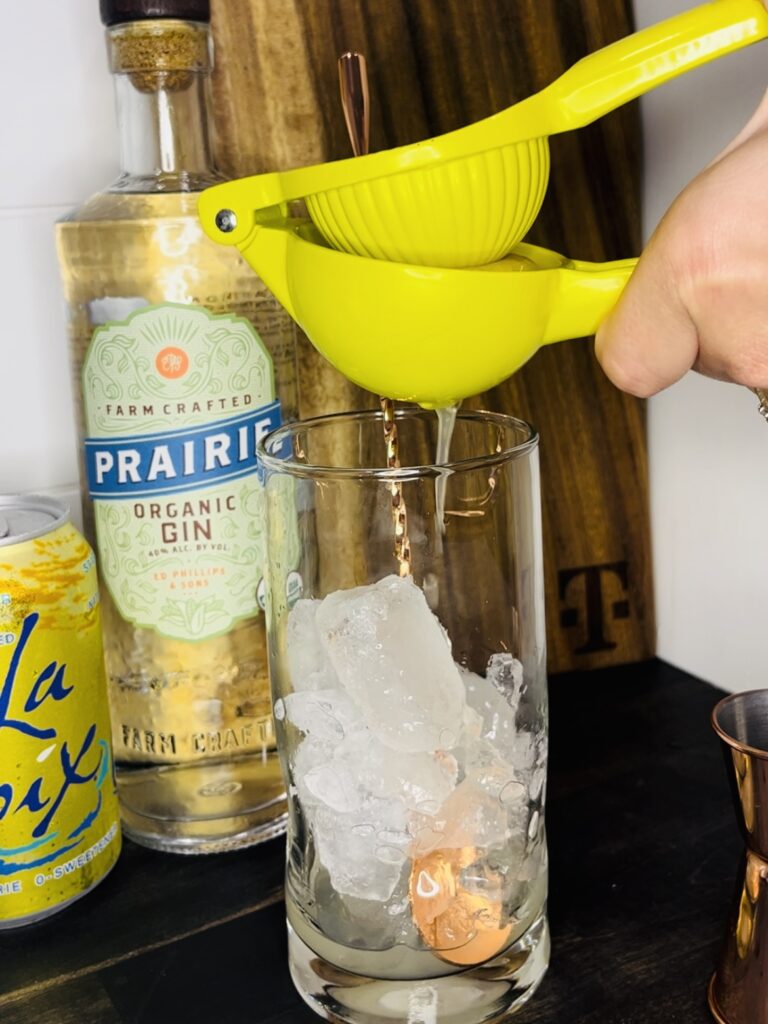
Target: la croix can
59,823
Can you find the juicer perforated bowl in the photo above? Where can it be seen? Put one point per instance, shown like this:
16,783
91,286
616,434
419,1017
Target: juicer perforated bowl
466,198
462,213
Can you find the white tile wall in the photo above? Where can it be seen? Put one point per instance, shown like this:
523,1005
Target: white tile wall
35,398
709,500
58,129
58,144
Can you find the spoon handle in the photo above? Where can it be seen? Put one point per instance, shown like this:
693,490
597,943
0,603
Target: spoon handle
353,83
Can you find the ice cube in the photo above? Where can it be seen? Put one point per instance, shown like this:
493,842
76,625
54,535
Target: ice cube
327,715
421,781
362,840
534,861
498,720
393,659
308,662
470,817
484,878
471,727
513,793
496,879
362,923
506,674
491,772
538,783
501,761
330,785
322,781
308,757
363,851
307,754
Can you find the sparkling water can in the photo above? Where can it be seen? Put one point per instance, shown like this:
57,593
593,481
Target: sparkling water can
59,821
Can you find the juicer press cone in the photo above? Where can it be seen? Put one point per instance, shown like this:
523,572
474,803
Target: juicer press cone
468,197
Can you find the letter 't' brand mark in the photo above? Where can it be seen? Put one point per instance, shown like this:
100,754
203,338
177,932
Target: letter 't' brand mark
591,617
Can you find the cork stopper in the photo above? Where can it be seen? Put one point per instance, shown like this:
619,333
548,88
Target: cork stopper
162,54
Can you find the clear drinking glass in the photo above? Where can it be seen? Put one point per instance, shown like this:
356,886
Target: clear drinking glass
411,714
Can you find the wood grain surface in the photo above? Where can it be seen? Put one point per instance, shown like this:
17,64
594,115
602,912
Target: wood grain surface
644,851
435,65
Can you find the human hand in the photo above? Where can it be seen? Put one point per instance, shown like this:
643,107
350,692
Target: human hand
699,296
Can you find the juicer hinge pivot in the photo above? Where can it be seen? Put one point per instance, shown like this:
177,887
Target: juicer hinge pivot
226,221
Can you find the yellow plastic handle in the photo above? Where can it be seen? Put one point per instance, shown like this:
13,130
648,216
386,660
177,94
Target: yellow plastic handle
607,79
586,294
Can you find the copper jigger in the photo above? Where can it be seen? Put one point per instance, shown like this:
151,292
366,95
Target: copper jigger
738,992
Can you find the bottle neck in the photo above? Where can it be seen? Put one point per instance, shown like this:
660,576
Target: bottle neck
162,72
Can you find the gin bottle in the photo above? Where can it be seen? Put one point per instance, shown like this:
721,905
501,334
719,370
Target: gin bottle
182,360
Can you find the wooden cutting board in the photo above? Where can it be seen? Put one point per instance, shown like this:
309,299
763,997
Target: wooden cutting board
435,65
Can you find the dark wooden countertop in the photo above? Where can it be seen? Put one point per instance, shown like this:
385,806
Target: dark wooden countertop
644,852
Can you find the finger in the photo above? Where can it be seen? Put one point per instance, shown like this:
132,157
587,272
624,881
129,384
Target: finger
649,341
732,316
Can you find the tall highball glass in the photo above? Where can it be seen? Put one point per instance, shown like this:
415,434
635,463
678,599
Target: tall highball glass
411,710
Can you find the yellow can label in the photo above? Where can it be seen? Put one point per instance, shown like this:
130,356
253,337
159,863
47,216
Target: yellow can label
59,825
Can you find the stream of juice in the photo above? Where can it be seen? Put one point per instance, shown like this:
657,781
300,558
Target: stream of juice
446,422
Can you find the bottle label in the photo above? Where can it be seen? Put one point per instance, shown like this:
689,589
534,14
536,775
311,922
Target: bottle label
176,400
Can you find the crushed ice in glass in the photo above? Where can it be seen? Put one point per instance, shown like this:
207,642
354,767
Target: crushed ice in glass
403,753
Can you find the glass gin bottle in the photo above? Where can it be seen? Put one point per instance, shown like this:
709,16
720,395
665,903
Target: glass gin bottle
182,360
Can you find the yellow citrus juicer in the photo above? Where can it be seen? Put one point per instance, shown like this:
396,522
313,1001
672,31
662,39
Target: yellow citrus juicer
466,198
435,334
432,335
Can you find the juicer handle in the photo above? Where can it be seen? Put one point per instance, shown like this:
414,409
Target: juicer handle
585,295
613,76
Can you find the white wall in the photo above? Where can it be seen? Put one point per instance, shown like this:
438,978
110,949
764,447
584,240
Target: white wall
709,450
708,446
59,144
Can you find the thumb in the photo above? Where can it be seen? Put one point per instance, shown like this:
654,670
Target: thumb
649,341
